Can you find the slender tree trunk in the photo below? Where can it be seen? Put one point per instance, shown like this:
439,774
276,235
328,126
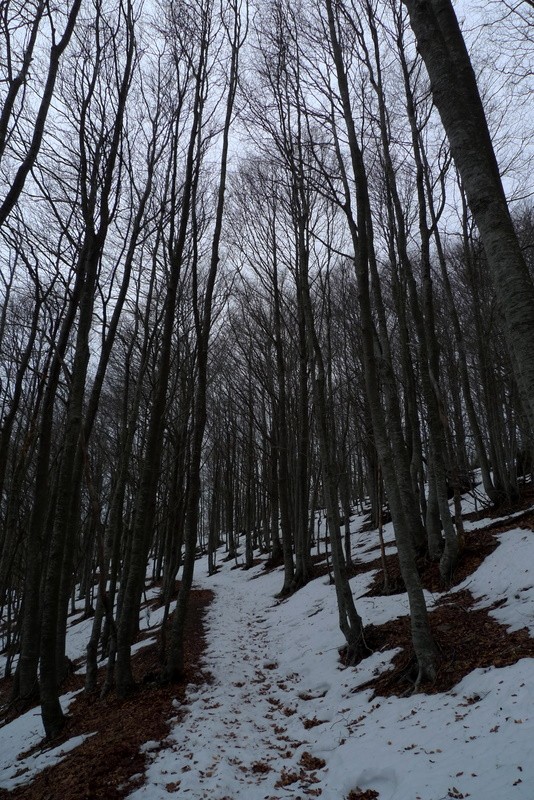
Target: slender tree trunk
175,661
27,682
350,622
361,231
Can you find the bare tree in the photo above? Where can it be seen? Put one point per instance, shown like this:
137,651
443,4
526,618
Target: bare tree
457,98
234,20
362,234
37,17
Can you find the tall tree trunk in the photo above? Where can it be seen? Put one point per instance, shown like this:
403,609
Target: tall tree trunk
236,30
455,92
350,622
361,231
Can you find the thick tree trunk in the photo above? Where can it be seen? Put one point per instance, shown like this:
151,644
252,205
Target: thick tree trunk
302,547
456,95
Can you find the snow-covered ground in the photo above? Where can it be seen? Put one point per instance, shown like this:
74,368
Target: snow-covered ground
280,703
22,735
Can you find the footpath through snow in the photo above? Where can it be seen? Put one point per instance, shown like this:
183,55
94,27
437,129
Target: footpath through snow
283,719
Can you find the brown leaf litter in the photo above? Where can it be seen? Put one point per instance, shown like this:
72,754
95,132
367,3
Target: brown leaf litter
110,764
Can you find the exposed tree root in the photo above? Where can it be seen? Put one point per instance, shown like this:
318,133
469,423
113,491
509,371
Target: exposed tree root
467,639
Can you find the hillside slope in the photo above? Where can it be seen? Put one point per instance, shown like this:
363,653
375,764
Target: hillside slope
280,717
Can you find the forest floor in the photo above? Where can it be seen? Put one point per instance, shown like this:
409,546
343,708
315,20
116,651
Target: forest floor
269,711
110,734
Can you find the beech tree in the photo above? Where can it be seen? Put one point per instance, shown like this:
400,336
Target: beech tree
234,21
396,476
457,98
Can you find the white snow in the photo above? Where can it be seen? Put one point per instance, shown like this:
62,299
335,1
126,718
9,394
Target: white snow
507,576
266,657
23,734
279,691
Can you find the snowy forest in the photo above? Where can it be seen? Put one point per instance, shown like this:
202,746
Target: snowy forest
266,307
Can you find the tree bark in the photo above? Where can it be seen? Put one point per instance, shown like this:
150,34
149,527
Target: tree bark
361,232
456,96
